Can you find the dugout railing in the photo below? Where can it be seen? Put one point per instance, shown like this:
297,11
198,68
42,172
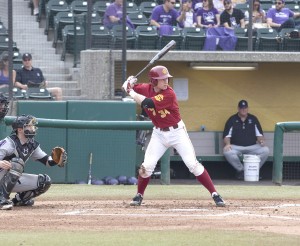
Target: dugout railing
279,155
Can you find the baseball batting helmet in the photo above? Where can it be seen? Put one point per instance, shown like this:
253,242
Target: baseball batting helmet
23,121
158,72
3,106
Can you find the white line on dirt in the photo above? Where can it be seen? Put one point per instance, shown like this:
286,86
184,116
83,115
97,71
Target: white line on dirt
282,206
238,213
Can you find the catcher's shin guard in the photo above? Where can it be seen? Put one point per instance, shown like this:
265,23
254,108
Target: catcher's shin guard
8,182
44,183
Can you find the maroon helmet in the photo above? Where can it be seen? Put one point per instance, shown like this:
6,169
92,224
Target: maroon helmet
158,72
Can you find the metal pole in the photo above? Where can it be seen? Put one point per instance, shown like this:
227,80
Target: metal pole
165,168
88,32
250,24
10,47
124,44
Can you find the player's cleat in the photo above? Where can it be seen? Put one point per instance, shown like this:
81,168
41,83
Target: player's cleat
218,200
28,203
137,200
5,204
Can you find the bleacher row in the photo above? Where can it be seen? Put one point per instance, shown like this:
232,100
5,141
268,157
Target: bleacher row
67,20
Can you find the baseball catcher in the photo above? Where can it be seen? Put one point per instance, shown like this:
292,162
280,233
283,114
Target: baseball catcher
15,151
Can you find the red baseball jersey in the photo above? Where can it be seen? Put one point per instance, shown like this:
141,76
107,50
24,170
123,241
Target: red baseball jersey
166,111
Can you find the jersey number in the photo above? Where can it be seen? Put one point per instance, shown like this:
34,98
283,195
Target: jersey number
163,113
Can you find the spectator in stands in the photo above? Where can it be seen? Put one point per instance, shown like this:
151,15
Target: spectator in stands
164,17
208,15
113,15
4,71
219,5
243,134
258,16
232,17
282,17
31,75
189,18
36,7
197,4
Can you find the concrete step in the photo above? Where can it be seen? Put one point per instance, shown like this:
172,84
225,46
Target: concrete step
64,84
72,92
56,77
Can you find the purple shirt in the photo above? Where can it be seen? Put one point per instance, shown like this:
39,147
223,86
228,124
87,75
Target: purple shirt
112,10
208,16
164,18
279,17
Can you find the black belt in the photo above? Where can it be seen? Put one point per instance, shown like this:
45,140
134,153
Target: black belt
167,129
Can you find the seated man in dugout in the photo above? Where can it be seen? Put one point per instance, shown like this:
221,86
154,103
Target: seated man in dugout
29,75
242,135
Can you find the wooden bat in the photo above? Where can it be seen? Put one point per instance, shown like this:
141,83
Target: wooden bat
90,169
159,55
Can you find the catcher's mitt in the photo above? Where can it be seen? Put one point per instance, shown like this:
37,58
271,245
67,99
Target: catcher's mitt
59,156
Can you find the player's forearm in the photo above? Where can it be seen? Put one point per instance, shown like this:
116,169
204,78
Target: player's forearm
137,97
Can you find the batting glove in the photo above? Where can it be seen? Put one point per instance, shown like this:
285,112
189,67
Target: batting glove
132,80
126,86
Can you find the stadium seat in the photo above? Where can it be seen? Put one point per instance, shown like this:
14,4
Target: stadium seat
175,35
267,6
16,93
117,36
288,43
52,8
100,7
193,38
268,39
242,6
292,6
3,30
147,7
242,39
73,40
131,7
4,44
61,19
146,38
101,37
78,7
38,94
138,19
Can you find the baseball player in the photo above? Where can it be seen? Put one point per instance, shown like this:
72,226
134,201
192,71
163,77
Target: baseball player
15,150
158,99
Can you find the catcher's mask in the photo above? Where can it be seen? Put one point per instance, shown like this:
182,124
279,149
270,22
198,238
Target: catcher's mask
27,123
158,72
3,106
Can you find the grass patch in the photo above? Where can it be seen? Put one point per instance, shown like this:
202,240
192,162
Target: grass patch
163,238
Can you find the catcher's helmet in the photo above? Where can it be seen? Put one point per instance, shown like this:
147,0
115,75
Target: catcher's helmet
158,72
23,121
3,106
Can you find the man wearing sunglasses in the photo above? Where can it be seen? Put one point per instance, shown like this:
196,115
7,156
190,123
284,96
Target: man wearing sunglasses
281,17
164,16
232,17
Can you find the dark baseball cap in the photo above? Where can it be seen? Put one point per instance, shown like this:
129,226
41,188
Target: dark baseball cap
243,104
26,56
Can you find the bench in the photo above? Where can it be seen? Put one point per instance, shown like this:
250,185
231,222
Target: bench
209,146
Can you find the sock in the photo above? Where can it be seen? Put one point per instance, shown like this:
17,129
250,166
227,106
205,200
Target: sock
142,184
205,180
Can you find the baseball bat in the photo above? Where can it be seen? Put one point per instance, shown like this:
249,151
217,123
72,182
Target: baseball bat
158,56
90,169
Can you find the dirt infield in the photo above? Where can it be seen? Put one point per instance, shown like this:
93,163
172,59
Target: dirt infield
282,217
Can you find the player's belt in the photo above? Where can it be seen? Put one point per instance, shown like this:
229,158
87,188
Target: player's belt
166,129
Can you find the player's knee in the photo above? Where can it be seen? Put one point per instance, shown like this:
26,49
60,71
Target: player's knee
143,172
17,166
44,183
197,169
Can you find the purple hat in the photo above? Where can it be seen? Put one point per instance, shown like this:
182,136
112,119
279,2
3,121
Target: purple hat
227,1
243,104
